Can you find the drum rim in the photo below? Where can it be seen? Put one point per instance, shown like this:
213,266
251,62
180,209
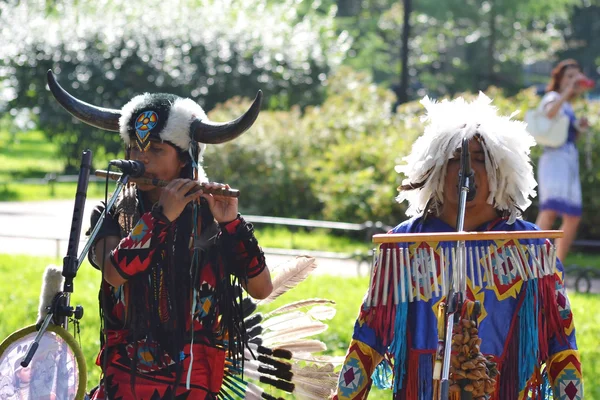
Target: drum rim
63,333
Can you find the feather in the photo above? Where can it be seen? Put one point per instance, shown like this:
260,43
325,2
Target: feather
288,318
286,335
301,320
335,360
296,305
281,319
313,368
289,275
254,389
302,346
322,312
314,389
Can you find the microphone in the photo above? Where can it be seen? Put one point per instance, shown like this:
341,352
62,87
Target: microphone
134,169
466,173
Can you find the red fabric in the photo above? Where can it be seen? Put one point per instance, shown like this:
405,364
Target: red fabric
134,253
206,378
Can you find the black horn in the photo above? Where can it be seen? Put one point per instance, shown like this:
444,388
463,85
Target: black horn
220,132
103,118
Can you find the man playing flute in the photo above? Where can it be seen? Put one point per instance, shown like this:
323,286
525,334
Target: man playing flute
173,260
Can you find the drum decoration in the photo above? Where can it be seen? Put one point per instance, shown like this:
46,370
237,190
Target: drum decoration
56,372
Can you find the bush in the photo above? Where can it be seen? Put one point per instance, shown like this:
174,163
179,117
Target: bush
204,49
336,161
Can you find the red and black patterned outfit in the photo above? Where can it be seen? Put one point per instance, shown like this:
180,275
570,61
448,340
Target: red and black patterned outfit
224,255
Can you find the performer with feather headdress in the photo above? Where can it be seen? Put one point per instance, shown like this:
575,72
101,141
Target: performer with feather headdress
523,333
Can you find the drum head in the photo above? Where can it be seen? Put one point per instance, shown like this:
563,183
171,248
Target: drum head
56,372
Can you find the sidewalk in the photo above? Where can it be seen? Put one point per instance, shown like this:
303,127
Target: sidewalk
43,228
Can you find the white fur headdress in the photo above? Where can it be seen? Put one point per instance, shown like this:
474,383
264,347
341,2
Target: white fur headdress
179,113
506,145
162,116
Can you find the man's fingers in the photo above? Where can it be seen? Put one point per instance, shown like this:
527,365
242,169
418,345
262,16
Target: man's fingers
176,184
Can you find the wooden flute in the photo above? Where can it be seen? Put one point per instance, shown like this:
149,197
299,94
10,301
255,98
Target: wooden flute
115,176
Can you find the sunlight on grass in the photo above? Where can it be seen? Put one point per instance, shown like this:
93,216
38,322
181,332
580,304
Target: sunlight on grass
27,154
317,239
20,281
58,191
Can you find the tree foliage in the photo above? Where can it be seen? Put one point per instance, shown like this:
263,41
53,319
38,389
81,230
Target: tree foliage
106,52
336,161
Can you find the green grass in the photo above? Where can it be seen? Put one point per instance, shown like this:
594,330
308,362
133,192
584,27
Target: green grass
20,281
317,239
27,155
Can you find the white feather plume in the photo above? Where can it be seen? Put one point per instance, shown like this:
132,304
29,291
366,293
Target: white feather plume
302,346
506,144
298,304
286,335
267,323
289,275
322,313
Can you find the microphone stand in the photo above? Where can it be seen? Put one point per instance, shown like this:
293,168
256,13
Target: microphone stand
60,309
458,285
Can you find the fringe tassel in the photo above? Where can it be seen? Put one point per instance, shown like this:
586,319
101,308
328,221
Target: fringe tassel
546,388
398,347
382,316
383,376
425,375
509,375
528,333
412,376
543,325
554,324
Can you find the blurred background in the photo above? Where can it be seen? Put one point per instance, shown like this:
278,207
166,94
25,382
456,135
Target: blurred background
341,79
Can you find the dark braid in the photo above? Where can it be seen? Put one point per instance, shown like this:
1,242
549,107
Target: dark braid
167,326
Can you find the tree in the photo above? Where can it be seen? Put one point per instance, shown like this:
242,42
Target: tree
209,50
500,36
581,37
403,91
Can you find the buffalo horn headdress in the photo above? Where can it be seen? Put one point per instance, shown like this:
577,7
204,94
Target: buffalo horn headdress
165,117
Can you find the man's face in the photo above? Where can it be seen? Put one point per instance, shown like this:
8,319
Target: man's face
161,161
451,194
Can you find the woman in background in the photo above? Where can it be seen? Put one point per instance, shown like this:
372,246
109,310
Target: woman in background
558,169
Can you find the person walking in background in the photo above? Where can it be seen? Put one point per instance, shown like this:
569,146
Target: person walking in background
558,169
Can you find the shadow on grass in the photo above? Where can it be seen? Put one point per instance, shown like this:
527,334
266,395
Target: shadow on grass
7,194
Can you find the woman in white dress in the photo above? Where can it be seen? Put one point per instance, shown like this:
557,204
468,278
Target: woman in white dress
558,168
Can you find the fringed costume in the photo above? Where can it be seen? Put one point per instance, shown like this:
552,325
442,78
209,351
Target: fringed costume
525,324
163,298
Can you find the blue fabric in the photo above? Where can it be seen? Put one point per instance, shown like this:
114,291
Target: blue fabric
558,180
500,310
568,111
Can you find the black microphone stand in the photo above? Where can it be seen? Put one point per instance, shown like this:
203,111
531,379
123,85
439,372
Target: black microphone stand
458,284
60,309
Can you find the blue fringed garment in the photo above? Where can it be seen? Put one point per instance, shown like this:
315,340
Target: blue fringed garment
523,324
